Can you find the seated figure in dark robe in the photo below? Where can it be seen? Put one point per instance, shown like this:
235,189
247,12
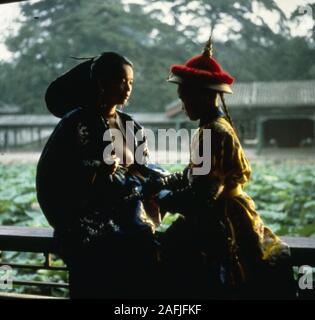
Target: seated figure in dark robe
83,179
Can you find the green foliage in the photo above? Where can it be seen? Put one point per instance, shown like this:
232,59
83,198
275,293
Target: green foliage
174,167
253,51
53,31
284,197
18,206
167,221
18,203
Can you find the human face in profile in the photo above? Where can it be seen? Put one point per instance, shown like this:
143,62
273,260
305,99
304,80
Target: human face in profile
196,100
117,89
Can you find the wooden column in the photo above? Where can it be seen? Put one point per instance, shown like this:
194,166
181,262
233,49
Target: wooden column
39,136
6,138
260,134
15,140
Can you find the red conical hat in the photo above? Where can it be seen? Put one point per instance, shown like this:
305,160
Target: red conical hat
204,69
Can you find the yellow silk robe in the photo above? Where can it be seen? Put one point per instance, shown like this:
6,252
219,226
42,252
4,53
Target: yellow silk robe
251,241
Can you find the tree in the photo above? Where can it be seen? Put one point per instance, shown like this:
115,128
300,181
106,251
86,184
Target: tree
53,31
56,30
212,13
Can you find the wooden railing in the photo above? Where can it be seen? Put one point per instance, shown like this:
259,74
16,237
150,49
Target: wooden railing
41,240
34,240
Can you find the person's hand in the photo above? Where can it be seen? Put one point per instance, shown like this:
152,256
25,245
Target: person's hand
153,210
110,169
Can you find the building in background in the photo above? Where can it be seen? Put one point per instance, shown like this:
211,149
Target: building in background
266,115
269,114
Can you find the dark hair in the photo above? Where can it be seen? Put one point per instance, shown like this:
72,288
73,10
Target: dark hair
76,87
107,65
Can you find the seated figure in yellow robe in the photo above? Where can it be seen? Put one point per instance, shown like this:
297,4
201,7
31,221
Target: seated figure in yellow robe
222,248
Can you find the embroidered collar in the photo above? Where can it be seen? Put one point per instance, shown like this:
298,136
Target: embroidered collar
212,114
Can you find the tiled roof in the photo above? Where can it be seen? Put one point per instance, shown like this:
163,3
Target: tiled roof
272,94
265,94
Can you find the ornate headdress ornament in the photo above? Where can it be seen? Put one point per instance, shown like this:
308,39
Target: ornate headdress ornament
208,49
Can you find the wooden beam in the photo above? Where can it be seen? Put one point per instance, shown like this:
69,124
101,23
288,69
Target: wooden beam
10,1
14,296
28,239
25,239
302,250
